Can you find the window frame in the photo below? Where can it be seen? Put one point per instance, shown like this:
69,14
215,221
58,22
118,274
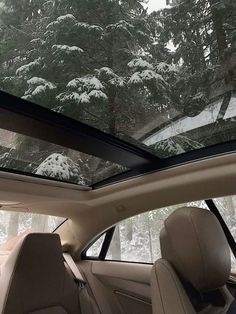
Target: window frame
104,248
51,126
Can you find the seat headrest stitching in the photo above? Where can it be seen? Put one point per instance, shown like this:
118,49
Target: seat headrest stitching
159,287
171,247
203,264
177,288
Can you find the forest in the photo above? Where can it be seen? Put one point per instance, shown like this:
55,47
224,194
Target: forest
116,66
136,239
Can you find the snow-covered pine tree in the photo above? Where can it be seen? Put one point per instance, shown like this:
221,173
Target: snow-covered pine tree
61,167
201,42
78,60
108,63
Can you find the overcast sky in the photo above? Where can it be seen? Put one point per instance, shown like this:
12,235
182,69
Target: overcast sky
156,5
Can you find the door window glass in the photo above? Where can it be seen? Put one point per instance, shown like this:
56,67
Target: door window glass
136,239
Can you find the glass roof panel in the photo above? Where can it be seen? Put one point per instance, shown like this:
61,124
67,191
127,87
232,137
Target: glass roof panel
31,156
160,75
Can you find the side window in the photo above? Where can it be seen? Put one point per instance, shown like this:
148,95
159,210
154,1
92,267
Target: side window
227,208
137,239
95,249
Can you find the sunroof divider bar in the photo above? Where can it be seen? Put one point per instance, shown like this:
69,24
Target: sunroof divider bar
200,153
18,175
24,117
182,159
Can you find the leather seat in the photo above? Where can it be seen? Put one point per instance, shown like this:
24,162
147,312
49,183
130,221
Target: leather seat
34,279
191,276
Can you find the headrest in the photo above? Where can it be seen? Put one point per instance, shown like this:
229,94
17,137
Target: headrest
193,241
34,277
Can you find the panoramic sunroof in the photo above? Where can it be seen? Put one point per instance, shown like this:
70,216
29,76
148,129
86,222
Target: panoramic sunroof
158,75
27,155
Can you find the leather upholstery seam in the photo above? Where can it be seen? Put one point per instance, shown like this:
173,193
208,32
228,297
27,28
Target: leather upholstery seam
200,249
177,289
159,288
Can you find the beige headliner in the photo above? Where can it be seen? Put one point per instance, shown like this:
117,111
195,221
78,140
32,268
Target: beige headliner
92,211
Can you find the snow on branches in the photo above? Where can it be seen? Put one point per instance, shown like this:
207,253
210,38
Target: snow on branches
144,72
38,86
66,49
60,167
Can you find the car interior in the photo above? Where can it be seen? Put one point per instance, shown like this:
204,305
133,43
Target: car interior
117,157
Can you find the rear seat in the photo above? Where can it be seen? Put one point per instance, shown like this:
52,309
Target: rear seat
34,279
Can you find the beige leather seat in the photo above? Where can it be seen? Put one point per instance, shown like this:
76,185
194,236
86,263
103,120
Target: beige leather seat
195,266
34,279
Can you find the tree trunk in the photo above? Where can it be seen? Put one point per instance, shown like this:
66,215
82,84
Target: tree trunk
150,240
13,225
112,115
39,223
111,95
229,205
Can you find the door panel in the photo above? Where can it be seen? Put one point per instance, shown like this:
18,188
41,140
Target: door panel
119,287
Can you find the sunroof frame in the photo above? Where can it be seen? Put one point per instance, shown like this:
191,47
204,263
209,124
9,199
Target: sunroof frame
24,117
185,158
27,118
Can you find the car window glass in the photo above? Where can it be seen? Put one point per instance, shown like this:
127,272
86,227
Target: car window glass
95,249
15,225
227,208
136,239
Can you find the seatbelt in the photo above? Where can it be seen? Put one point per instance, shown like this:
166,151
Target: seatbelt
74,269
84,298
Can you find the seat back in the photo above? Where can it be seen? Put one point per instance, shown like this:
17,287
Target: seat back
195,266
34,278
168,293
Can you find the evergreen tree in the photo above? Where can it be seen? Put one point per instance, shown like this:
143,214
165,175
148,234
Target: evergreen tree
112,65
